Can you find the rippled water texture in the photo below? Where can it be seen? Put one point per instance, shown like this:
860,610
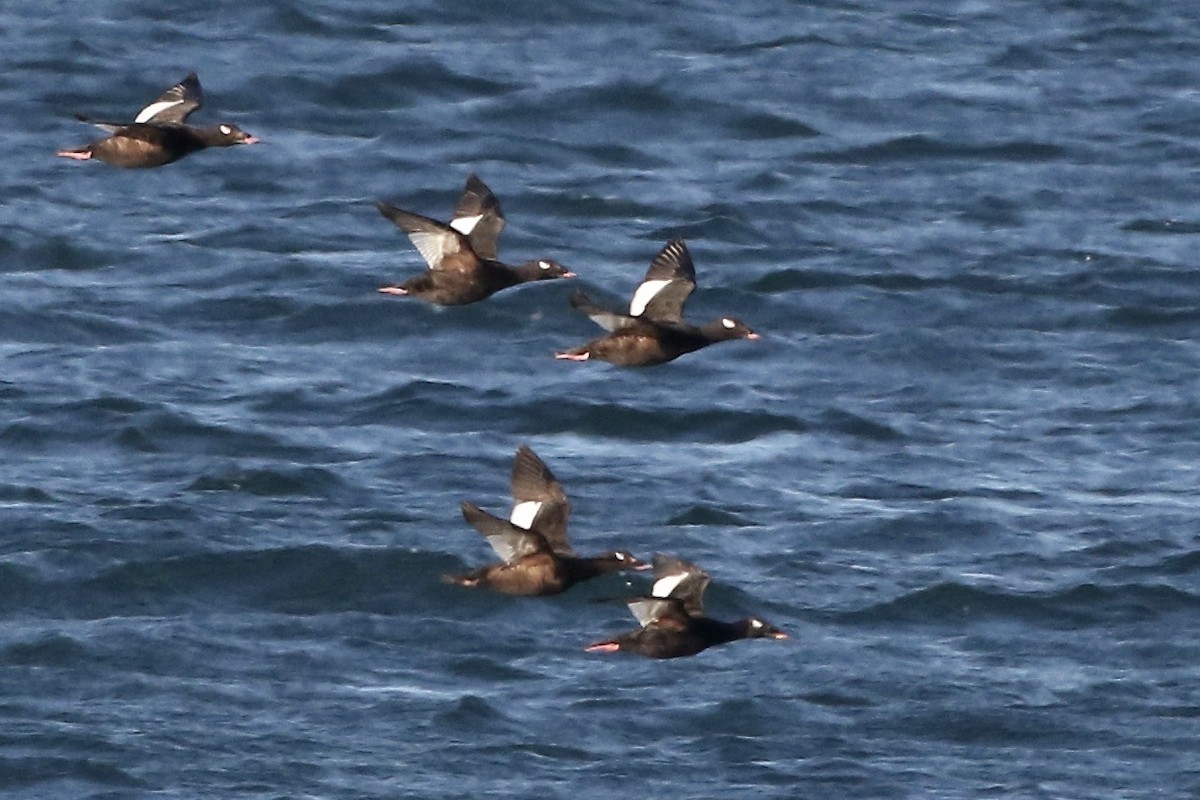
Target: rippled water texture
960,468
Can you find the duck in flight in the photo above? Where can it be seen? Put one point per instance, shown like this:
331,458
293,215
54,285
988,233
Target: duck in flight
673,623
463,264
159,134
535,555
654,331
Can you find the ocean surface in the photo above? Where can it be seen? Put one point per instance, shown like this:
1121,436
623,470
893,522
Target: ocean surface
960,469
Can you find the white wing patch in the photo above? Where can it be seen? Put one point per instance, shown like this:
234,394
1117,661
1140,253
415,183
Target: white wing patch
667,584
523,514
465,225
644,294
154,109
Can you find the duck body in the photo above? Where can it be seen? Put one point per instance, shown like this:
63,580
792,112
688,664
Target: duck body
544,572
685,635
458,287
646,343
145,145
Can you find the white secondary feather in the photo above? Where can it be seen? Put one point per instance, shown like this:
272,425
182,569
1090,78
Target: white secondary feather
523,514
465,225
154,109
667,584
644,294
433,246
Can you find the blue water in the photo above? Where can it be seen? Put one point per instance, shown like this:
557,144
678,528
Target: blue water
960,469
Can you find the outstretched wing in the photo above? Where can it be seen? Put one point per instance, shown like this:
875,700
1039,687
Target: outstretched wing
175,104
540,504
107,127
665,613
510,542
609,320
669,281
680,580
478,217
436,242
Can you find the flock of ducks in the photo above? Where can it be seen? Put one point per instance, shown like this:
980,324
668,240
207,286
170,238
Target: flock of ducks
463,268
536,558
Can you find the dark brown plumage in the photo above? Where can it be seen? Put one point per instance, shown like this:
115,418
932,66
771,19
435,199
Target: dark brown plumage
536,556
463,267
159,135
654,331
673,624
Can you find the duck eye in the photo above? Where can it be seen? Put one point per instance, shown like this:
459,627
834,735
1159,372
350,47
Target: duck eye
728,323
225,129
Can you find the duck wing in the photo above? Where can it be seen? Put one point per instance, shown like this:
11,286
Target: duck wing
669,281
540,503
478,216
442,247
660,612
611,321
510,542
680,580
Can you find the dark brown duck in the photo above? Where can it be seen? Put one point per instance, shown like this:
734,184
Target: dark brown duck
673,624
535,555
654,331
159,134
461,255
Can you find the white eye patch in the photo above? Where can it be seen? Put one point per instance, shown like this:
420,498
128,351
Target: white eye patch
544,264
755,624
728,323
225,129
